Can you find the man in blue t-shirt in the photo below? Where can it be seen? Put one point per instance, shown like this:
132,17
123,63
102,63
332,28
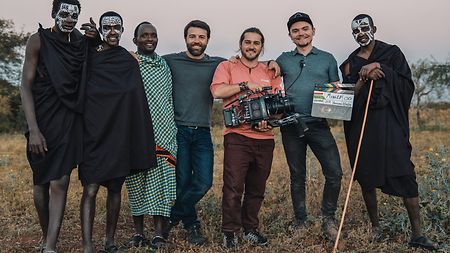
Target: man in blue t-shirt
302,69
192,74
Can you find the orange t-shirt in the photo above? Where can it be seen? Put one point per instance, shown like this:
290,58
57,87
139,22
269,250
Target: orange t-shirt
233,73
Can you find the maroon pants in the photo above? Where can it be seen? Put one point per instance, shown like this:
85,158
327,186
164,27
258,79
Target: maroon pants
246,167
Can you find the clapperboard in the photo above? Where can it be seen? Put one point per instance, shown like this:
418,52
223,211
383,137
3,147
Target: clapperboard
333,101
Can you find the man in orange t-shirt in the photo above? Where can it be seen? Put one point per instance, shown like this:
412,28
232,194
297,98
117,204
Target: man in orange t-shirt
248,152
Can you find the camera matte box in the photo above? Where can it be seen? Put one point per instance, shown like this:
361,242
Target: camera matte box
333,101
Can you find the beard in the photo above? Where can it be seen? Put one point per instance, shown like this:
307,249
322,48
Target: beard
249,57
195,51
302,40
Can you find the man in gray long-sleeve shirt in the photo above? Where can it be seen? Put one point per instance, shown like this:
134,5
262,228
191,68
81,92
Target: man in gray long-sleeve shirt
192,73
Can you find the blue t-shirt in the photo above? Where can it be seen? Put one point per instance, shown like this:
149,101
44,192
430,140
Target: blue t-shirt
302,73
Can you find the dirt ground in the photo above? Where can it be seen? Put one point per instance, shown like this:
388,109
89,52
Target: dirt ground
20,231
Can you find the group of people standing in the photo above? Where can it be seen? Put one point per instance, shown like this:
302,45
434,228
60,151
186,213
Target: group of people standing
144,120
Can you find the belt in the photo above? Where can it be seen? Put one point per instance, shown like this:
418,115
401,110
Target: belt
194,127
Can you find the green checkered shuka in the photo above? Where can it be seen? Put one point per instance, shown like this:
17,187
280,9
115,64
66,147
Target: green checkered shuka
153,192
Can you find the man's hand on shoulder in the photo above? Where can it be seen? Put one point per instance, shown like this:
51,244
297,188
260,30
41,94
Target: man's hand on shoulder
135,56
273,65
234,59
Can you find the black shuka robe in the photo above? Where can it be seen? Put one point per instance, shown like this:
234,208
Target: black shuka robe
118,131
58,101
385,156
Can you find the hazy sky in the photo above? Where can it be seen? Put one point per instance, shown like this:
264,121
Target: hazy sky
419,28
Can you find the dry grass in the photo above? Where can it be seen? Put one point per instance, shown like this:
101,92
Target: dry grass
20,230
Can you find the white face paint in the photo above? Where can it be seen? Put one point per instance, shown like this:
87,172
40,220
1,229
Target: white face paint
361,28
110,23
67,17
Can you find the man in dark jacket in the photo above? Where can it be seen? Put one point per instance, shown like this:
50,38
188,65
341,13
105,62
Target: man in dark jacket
118,134
385,156
52,98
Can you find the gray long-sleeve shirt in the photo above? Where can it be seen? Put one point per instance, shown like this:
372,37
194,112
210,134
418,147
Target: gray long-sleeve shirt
191,95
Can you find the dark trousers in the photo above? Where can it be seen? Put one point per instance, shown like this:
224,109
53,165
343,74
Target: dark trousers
194,171
323,145
246,167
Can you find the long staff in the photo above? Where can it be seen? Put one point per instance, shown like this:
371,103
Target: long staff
354,169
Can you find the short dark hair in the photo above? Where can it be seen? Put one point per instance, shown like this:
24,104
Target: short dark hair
136,30
198,24
57,3
109,13
361,16
251,30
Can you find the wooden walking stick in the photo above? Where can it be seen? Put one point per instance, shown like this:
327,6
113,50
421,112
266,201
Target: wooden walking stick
336,243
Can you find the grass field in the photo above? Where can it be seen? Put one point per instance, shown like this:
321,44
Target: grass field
20,232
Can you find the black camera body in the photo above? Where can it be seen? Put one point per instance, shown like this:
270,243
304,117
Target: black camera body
267,107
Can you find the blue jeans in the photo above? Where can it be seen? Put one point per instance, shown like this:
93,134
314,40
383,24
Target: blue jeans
323,145
194,170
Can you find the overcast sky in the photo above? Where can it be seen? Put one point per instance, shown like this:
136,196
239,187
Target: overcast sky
419,28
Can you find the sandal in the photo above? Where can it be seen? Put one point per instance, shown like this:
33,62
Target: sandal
110,249
158,242
138,240
424,243
43,250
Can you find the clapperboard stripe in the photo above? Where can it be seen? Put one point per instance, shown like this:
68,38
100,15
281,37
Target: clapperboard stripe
336,86
344,88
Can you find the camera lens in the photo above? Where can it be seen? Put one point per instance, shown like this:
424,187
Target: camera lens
278,104
255,106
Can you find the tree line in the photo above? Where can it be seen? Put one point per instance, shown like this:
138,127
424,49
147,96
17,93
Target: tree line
431,78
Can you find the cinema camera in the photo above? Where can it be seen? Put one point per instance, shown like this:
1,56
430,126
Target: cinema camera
276,109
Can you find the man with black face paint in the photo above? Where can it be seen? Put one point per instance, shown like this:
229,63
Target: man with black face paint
118,133
385,156
52,98
153,192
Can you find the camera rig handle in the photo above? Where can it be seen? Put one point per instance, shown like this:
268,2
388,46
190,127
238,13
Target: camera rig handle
291,119
240,98
247,94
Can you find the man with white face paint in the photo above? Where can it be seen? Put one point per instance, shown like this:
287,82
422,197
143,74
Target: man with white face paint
385,156
118,134
52,98
66,16
361,28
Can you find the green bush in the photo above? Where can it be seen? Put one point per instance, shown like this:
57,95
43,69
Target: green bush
434,190
12,118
